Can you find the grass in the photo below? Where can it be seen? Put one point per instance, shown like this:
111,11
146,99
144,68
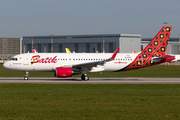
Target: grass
89,102
153,71
92,102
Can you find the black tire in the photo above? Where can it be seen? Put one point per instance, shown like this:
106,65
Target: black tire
82,77
86,78
25,78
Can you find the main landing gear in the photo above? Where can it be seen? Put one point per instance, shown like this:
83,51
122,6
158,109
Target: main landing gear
84,77
26,76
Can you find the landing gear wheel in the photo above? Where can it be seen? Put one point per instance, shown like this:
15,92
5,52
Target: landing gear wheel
84,77
25,78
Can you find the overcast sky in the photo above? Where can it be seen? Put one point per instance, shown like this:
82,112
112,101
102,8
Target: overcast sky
20,18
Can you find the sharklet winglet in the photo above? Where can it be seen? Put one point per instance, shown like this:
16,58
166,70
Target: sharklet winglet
115,53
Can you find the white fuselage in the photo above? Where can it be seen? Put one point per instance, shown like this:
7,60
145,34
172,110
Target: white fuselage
41,62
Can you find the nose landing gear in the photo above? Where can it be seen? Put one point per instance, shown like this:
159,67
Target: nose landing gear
26,76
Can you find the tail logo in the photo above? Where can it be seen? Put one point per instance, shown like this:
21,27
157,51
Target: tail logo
156,48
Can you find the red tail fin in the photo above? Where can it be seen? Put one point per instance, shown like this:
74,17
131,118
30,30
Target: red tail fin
156,48
34,50
158,45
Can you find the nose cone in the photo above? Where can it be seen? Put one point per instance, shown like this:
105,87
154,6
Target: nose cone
6,65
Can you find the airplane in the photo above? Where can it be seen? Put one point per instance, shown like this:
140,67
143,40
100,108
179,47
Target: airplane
65,65
34,50
95,50
67,50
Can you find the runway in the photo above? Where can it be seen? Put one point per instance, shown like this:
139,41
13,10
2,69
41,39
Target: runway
93,80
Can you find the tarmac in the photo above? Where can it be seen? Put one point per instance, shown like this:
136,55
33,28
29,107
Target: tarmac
92,80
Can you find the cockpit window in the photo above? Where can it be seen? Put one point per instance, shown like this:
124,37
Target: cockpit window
14,59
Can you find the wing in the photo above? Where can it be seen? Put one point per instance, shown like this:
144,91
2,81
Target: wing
90,65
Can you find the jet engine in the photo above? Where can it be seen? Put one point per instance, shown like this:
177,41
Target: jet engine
63,72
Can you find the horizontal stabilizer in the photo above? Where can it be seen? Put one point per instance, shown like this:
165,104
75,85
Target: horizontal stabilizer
165,59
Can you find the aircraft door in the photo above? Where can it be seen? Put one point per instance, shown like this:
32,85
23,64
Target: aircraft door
26,60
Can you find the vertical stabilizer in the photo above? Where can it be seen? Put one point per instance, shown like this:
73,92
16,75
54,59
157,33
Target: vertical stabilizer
156,48
67,50
95,50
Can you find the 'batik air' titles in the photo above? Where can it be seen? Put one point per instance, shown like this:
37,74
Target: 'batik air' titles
38,59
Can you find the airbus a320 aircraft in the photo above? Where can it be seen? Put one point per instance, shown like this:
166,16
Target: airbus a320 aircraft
65,65
34,50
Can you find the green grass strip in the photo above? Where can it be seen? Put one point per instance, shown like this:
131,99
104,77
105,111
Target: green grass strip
89,102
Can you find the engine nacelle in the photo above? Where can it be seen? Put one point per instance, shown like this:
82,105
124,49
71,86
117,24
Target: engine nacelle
63,72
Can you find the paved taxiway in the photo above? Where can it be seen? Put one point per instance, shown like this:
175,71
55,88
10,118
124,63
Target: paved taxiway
93,80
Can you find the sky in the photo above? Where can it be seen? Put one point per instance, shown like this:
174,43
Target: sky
20,18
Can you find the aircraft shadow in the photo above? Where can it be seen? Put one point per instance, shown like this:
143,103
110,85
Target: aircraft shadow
69,79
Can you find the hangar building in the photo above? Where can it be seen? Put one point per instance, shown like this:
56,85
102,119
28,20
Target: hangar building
82,43
79,43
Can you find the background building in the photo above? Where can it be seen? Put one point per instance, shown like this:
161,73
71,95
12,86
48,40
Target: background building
82,43
9,47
